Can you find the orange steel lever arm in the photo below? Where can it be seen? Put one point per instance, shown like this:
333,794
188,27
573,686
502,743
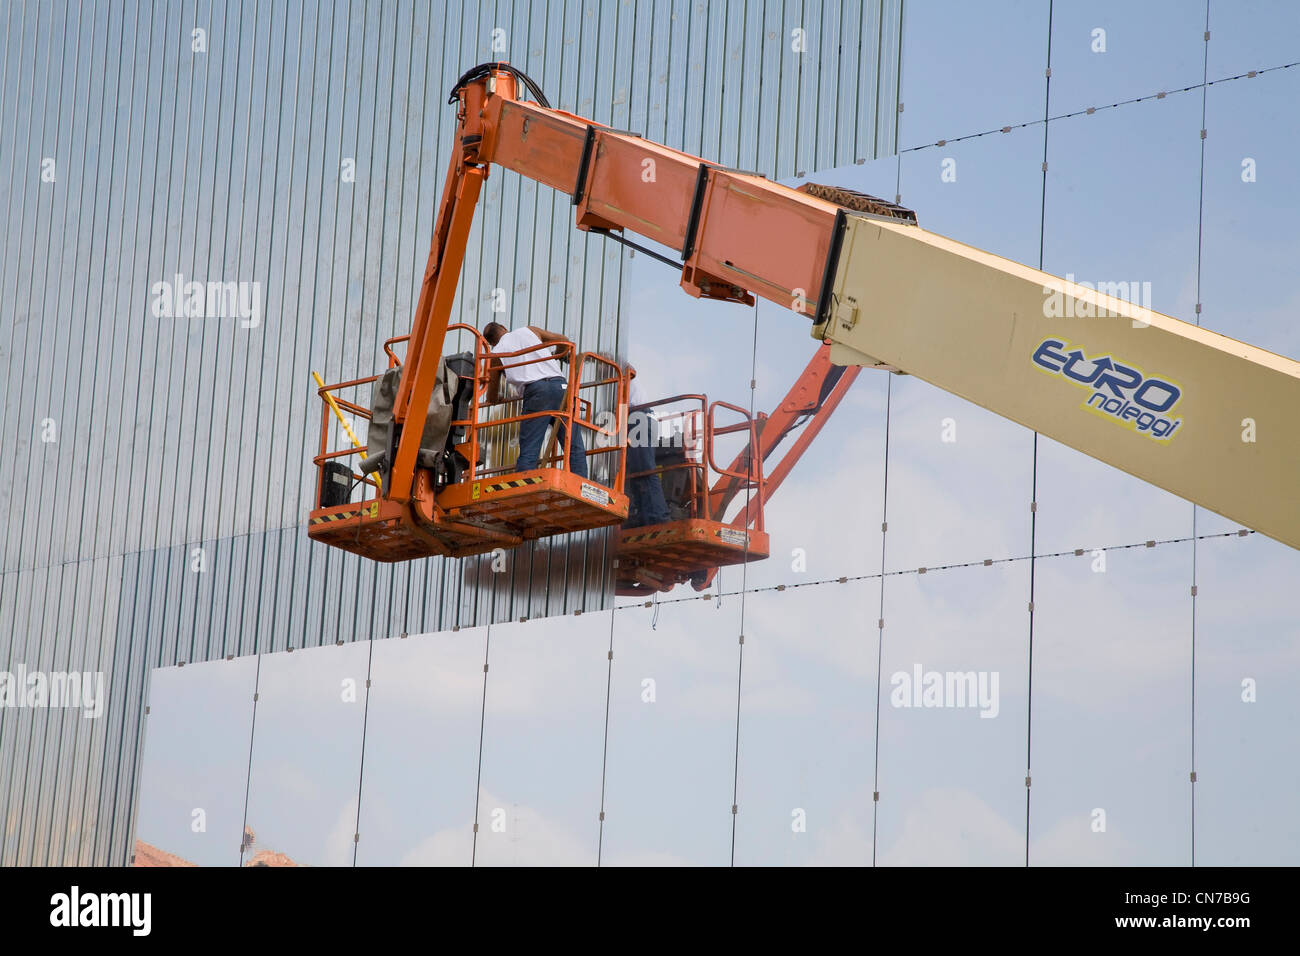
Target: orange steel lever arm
739,234
815,395
810,402
438,290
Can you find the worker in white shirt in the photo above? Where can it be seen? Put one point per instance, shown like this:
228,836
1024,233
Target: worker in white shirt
542,385
646,492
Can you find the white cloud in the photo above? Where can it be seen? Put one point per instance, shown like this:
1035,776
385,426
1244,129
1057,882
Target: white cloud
337,850
954,827
529,839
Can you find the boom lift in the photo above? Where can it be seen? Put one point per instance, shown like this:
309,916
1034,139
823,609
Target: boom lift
699,539
1159,398
459,499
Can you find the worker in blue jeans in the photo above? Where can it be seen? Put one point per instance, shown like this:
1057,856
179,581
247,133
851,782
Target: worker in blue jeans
648,506
542,385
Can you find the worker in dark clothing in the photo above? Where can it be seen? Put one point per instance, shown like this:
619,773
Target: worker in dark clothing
543,386
647,505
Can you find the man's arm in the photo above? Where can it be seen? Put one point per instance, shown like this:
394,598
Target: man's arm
551,338
546,335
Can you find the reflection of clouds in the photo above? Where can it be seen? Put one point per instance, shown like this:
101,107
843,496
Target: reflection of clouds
1072,842
432,673
315,673
804,650
953,826
292,783
337,850
529,839
307,750
644,858
710,693
442,673
940,827
450,847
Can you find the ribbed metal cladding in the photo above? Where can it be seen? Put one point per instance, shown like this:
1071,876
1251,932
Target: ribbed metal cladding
128,156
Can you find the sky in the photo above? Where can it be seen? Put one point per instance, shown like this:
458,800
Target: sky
819,732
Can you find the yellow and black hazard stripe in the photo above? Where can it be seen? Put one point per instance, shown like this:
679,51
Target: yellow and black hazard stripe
340,516
503,485
516,483
647,536
372,508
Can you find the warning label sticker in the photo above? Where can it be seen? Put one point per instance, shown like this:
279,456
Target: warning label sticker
592,493
733,536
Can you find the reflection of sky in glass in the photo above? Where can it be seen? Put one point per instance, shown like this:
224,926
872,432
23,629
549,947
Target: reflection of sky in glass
196,759
672,741
1111,693
306,749
422,749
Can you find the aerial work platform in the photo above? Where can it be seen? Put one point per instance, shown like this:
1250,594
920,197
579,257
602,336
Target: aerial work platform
465,497
696,540
657,557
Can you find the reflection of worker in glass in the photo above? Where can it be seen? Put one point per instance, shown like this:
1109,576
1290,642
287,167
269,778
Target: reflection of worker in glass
542,385
647,505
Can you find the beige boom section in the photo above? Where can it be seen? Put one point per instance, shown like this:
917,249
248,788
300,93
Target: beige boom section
1199,414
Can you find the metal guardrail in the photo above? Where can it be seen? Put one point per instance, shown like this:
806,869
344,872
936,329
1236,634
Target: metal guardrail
490,423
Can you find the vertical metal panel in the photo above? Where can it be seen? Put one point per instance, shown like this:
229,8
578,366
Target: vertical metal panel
715,72
806,115
742,32
868,80
775,41
228,165
843,126
90,759
36,533
61,725
15,729
833,46
123,721
27,54
692,91
746,80
674,71
888,59
42,624
663,33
